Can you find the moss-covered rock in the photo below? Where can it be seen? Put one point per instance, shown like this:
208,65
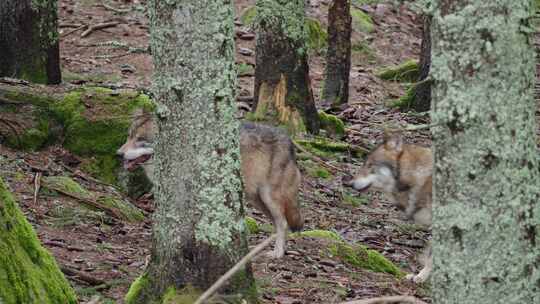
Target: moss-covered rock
361,21
187,295
333,126
320,234
114,205
408,71
361,257
317,37
95,122
29,273
136,287
323,147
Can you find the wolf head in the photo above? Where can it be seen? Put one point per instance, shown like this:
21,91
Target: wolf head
138,149
381,170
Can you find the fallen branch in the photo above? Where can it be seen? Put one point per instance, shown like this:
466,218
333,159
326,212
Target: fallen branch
386,300
81,275
74,30
208,293
98,26
114,9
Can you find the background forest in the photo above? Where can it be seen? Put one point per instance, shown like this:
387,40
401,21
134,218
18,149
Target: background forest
58,145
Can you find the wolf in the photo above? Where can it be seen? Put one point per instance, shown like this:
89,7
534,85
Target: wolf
270,174
404,173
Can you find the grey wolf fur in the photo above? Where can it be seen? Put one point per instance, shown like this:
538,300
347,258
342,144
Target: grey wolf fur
404,173
268,164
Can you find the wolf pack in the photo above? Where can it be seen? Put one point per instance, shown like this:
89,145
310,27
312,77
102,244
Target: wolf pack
271,178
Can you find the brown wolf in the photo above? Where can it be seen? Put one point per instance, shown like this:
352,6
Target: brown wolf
269,171
404,173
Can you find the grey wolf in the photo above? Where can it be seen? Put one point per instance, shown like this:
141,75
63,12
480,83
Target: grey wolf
270,174
404,173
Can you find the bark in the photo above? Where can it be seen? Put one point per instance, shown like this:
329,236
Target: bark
198,231
338,57
282,84
29,44
28,272
486,222
422,91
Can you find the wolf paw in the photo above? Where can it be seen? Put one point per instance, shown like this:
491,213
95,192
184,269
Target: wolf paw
415,278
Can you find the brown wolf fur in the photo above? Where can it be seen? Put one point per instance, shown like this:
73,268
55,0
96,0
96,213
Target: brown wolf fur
269,171
404,173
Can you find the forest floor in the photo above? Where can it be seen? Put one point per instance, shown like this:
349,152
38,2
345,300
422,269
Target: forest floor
106,255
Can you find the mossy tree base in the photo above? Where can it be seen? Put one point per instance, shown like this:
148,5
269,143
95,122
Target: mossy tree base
28,272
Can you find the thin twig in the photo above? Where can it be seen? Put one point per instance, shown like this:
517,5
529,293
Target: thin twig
114,9
210,291
37,185
386,300
74,30
98,26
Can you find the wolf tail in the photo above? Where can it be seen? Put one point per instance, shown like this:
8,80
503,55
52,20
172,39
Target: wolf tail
295,220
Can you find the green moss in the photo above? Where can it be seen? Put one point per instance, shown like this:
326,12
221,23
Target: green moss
128,211
65,184
353,200
187,295
319,234
405,102
96,121
246,286
362,52
332,124
361,21
135,289
361,257
251,225
29,272
248,15
313,169
244,69
323,147
317,37
407,71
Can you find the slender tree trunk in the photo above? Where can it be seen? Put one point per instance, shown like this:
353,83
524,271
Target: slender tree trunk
29,40
338,57
28,272
282,85
486,234
422,91
198,229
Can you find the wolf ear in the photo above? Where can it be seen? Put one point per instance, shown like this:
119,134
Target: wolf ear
393,142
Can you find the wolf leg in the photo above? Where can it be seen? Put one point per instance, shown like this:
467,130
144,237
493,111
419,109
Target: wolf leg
278,218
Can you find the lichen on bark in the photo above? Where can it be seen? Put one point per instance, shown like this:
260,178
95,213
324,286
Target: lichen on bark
199,231
487,173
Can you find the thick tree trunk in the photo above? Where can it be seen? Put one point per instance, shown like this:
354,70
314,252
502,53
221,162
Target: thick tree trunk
422,92
282,84
486,234
198,229
338,57
28,272
29,40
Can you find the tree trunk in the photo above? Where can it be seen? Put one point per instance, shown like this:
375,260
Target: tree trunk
338,57
198,229
28,272
282,84
29,40
422,91
486,244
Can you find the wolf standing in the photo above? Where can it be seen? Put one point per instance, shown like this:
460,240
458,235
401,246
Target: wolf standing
404,173
269,171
